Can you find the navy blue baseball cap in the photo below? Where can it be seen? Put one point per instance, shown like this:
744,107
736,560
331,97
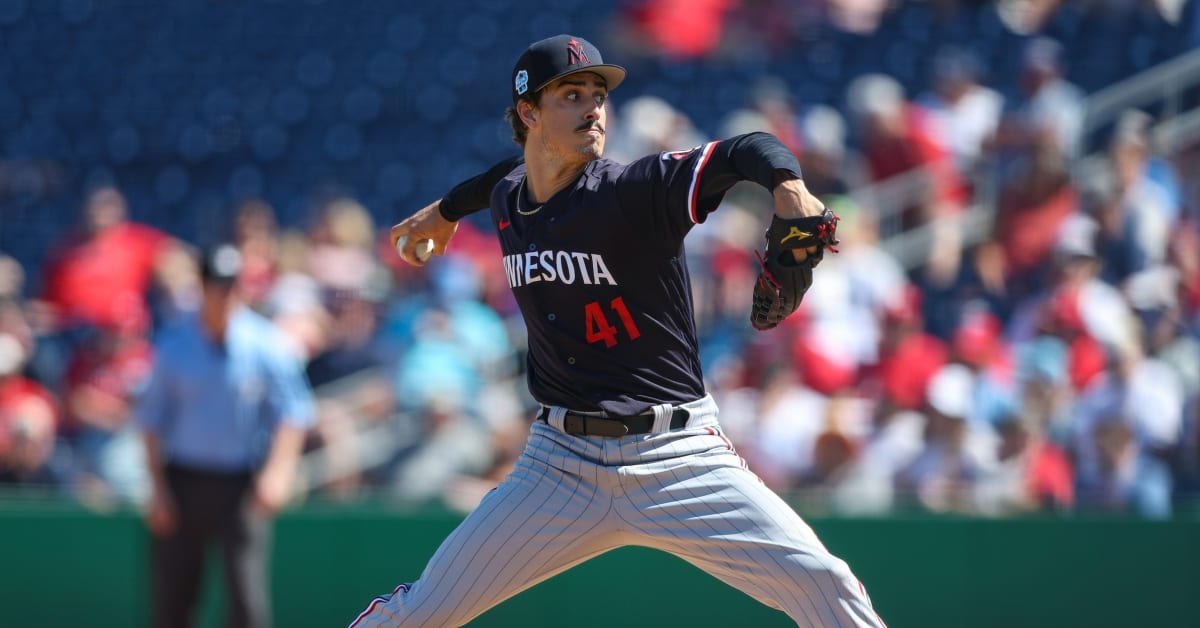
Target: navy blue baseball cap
556,57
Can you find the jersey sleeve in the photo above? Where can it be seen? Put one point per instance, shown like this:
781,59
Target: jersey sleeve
672,191
475,193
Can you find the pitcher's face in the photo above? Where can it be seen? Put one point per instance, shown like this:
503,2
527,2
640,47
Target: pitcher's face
571,119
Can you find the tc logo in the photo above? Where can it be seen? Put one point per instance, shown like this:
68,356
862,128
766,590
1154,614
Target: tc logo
522,82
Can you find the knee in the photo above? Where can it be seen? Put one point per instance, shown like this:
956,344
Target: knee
385,610
826,574
833,569
402,607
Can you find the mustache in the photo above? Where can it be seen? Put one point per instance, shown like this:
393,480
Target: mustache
590,125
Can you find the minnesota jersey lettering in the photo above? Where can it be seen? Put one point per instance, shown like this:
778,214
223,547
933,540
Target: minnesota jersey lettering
522,269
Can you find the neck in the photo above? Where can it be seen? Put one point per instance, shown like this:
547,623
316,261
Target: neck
215,320
546,176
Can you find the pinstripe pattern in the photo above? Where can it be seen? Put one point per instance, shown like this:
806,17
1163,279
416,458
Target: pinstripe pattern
686,492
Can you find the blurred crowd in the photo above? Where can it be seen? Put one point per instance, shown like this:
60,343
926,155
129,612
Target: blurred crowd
1046,362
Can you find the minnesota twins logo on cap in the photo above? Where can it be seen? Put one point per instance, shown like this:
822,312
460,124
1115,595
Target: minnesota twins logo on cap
575,53
522,82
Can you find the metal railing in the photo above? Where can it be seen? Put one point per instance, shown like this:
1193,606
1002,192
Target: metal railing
1177,128
1165,82
373,444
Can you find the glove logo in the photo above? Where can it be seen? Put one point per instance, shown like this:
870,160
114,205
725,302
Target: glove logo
795,233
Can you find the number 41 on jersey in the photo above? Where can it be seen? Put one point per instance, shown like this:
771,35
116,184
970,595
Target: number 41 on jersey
598,327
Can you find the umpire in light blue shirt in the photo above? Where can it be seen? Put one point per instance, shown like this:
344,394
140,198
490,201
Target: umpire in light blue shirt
223,418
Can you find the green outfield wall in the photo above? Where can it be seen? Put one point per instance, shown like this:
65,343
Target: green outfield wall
64,567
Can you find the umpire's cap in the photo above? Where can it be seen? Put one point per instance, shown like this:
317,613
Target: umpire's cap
556,57
220,264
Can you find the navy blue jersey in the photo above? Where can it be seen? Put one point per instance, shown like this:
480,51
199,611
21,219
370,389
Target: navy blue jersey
599,274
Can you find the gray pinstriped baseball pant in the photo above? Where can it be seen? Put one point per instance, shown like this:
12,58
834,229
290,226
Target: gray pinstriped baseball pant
571,498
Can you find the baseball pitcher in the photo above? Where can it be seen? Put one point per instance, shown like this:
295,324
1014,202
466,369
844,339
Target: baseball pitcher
627,448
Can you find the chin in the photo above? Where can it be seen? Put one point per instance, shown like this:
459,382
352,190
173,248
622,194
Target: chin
592,151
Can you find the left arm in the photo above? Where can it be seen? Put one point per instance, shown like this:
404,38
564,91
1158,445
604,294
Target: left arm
296,408
274,483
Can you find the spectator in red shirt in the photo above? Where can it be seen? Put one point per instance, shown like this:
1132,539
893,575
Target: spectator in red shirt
913,176
908,356
1036,198
102,273
898,137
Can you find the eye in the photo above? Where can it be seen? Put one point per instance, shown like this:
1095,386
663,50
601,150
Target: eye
601,98
572,95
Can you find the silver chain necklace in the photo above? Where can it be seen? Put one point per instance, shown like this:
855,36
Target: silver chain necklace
521,197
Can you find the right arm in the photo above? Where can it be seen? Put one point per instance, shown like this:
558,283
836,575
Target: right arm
151,412
438,220
763,159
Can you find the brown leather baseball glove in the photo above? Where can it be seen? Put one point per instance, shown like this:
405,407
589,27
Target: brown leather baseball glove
783,281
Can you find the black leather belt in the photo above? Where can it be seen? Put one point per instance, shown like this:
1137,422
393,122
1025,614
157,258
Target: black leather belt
586,425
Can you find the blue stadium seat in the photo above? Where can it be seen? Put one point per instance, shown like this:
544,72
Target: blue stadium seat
171,185
247,181
11,11
12,108
124,144
343,142
193,144
290,105
315,69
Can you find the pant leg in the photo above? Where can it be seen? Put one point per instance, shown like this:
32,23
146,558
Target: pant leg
176,564
711,511
245,551
548,515
177,559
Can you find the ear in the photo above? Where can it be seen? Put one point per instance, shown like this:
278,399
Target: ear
527,112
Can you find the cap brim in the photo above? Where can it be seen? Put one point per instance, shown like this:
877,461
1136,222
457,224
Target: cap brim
613,74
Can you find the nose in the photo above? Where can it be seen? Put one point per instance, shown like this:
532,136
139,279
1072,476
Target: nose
593,113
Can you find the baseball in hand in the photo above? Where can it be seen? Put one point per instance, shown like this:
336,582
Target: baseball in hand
424,248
